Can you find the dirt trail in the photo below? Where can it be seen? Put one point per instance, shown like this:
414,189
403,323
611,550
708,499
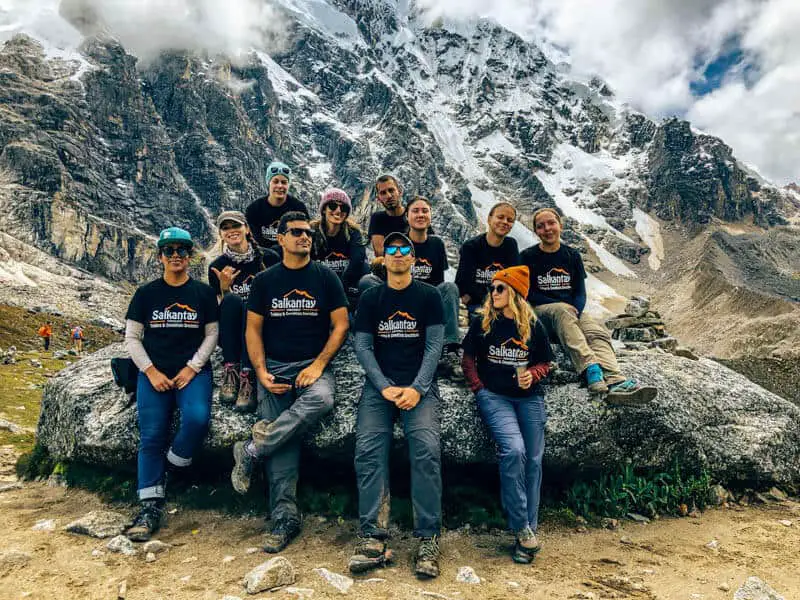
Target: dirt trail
667,559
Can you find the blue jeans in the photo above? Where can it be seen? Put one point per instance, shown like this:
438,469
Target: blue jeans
374,425
155,417
517,426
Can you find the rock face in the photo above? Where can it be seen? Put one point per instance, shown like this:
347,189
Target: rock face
706,417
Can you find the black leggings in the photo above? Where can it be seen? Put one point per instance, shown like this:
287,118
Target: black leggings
232,325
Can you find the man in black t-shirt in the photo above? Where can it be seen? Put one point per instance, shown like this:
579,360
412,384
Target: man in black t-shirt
486,254
389,193
296,322
398,340
264,214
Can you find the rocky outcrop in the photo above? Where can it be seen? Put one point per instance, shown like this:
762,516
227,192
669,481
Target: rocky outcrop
705,417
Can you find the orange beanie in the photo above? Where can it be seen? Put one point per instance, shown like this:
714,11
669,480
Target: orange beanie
518,278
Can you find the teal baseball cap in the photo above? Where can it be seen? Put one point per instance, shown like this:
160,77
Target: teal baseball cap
174,235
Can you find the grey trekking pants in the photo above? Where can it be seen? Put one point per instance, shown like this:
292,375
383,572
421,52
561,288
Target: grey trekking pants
277,437
374,426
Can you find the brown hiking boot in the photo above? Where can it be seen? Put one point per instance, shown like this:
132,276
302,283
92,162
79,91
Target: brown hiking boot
246,399
427,560
147,522
369,553
526,546
230,384
280,536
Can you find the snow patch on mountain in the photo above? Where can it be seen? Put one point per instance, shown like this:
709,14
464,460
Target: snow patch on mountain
649,230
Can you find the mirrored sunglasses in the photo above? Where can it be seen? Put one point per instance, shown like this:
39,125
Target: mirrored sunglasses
392,250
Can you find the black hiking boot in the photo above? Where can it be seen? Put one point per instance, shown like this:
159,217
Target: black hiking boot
230,384
242,468
281,534
370,553
147,522
525,547
426,562
246,399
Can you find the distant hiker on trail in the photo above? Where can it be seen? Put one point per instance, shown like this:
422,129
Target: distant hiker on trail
506,356
264,214
486,254
170,332
46,332
296,322
231,275
430,263
398,341
76,335
338,243
389,194
558,295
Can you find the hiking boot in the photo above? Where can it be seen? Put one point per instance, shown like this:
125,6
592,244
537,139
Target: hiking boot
525,547
242,468
630,393
279,537
230,384
594,379
370,552
426,563
147,521
246,400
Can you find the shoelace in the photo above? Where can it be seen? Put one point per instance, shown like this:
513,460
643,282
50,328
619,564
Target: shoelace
429,549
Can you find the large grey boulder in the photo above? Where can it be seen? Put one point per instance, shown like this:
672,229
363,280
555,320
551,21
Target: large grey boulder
705,416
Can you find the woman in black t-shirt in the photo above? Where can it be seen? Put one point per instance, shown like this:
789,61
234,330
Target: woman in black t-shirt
170,333
337,242
231,275
506,356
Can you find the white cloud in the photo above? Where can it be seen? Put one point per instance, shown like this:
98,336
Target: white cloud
650,51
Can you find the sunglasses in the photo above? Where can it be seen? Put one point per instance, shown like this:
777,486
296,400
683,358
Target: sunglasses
170,251
228,225
499,288
279,171
392,250
334,206
298,231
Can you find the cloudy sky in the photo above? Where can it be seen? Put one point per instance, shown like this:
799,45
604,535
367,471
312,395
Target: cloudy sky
732,67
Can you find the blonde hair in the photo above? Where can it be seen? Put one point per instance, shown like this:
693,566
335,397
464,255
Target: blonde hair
521,310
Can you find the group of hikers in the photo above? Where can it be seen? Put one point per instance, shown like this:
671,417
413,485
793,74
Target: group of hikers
75,335
283,295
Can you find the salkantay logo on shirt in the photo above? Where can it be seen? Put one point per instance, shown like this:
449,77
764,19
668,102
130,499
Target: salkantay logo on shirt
270,232
297,303
399,324
556,279
512,352
243,289
422,269
175,315
484,276
336,262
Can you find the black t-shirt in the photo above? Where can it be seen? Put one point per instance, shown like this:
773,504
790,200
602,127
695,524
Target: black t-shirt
345,257
296,305
247,271
263,218
556,274
479,262
382,223
174,319
397,319
499,352
431,261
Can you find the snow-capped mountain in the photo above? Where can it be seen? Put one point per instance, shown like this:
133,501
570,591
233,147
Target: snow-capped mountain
97,153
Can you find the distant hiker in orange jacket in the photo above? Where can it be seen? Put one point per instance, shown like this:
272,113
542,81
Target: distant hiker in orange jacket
46,332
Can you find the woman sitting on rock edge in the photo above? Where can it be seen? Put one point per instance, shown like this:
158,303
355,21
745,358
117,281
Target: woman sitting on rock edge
506,356
170,333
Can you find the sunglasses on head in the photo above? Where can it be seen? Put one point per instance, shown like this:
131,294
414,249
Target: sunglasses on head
298,231
170,251
334,206
392,250
279,171
499,288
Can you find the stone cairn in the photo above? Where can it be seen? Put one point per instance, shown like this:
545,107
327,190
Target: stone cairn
641,328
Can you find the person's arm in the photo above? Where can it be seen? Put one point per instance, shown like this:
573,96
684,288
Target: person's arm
340,324
358,260
465,273
434,342
364,344
377,244
254,340
203,352
134,334
579,284
538,371
470,367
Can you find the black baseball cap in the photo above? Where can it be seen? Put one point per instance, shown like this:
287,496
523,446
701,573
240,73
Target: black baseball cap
398,236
